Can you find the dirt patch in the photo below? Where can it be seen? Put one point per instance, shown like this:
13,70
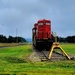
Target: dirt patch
34,57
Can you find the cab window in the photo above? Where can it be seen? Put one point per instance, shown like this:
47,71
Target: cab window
47,23
40,23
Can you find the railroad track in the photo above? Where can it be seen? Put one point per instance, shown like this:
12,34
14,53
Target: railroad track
43,55
56,56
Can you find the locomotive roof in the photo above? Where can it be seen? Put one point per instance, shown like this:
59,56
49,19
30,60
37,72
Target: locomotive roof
44,20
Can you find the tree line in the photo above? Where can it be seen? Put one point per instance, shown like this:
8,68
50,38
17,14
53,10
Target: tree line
68,39
11,39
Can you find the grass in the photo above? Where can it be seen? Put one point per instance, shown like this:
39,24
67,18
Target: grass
69,48
11,44
13,61
7,44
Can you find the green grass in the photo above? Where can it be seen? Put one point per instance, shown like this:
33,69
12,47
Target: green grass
69,48
11,44
13,60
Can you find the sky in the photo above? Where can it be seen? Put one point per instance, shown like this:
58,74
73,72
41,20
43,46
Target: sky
17,17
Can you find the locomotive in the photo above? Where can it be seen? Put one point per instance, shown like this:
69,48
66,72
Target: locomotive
41,34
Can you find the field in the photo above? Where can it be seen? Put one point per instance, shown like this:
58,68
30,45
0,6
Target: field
13,60
10,44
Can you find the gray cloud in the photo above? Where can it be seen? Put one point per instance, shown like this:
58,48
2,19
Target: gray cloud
22,14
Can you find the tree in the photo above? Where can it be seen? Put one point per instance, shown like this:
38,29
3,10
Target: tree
10,39
3,39
15,39
70,39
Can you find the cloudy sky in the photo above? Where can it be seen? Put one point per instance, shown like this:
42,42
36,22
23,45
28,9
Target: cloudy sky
22,14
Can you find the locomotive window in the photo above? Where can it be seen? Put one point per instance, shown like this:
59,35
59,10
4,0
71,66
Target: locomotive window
40,23
47,23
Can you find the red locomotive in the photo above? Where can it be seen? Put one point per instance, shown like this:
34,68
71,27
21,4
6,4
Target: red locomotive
41,34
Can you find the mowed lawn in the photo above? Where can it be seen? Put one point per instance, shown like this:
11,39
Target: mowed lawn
69,48
13,60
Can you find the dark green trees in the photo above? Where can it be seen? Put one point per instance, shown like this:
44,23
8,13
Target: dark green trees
11,39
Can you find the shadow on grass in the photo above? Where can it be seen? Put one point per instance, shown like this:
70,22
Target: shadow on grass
14,59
